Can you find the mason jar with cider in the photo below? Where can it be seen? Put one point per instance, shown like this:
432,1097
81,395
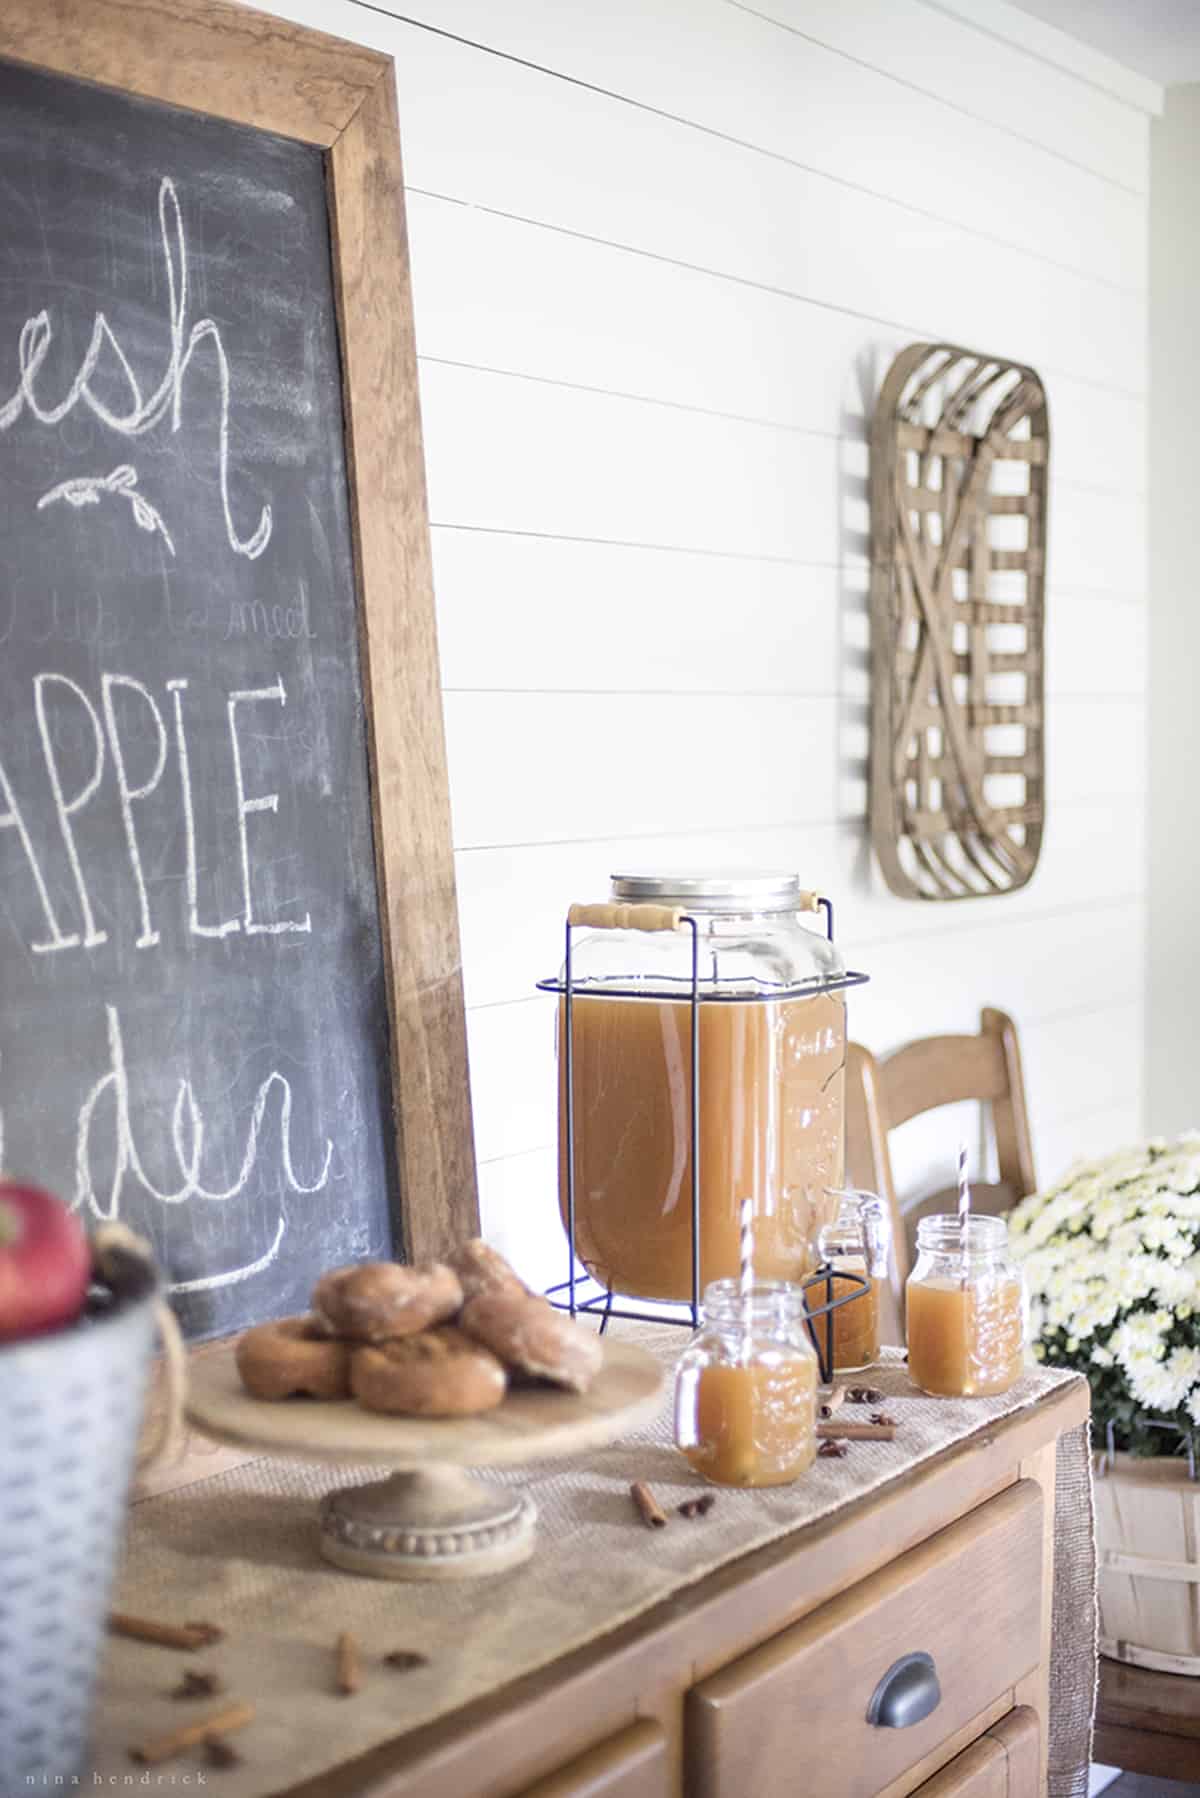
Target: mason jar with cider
770,1035
746,1386
966,1309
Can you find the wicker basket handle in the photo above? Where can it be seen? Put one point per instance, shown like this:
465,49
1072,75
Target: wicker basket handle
112,1245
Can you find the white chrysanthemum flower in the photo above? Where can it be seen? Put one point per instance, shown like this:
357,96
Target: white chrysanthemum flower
1156,1386
1139,1339
1113,1251
1184,1364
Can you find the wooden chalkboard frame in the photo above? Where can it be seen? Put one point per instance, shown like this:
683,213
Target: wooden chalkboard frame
247,68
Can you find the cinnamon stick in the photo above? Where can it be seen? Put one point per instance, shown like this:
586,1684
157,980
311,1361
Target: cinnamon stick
836,1399
349,1668
221,1723
856,1432
648,1507
189,1636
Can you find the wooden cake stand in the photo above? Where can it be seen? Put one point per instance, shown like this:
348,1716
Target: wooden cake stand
430,1519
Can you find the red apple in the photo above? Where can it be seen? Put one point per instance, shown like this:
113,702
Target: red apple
45,1262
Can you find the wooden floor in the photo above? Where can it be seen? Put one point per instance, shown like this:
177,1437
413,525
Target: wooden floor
1149,1724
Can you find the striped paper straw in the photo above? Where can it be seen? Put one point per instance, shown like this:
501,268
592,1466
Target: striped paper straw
747,1274
747,1247
964,1196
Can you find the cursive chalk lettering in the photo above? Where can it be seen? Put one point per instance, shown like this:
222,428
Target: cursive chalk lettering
252,618
233,1276
142,414
188,1127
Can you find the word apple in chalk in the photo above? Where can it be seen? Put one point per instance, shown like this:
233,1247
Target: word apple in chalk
45,1262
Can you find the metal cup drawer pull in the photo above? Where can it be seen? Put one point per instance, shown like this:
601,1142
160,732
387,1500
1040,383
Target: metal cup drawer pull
907,1693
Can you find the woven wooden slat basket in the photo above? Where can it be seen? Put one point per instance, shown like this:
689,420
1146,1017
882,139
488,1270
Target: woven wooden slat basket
1148,1563
960,454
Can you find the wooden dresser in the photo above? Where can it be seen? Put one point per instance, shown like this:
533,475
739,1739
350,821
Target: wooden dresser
756,1682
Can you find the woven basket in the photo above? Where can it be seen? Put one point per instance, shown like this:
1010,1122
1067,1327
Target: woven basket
70,1405
1148,1563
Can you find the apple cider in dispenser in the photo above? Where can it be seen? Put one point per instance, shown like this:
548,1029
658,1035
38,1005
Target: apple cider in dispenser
770,1022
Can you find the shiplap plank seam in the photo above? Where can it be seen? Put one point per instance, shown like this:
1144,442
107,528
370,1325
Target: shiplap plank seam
900,939
686,122
625,396
930,93
1050,369
1060,50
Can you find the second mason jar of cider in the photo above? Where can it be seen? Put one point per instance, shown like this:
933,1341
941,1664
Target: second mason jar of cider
966,1309
856,1248
772,1048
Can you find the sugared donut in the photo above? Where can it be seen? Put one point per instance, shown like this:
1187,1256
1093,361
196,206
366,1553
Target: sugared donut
481,1268
375,1300
529,1334
438,1373
292,1359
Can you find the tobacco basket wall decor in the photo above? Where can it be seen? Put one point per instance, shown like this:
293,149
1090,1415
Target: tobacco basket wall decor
960,448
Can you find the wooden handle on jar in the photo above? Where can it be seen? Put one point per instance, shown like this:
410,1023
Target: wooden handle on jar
625,917
808,901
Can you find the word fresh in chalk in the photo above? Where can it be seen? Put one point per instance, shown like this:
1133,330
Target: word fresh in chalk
140,414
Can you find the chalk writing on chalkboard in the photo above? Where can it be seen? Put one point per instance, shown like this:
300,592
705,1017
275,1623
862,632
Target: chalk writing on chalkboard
193,1028
142,414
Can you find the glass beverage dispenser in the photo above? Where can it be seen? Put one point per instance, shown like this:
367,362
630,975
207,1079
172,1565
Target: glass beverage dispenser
728,973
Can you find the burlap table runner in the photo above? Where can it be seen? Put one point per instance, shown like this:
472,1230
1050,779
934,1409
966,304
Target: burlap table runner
239,1549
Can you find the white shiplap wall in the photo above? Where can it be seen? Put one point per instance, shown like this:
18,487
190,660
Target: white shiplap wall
662,254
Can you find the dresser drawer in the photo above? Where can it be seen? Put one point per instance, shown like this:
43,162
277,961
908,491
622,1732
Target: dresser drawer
630,1765
969,1598
1003,1763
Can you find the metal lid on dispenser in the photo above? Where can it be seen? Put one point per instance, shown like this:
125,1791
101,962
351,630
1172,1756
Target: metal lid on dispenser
730,891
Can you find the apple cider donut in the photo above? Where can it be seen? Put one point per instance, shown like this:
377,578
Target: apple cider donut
438,1373
530,1335
480,1268
375,1300
292,1358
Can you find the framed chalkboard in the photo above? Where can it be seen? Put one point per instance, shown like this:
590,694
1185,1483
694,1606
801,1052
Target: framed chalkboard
230,993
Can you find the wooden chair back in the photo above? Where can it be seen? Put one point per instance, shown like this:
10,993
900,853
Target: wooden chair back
882,1094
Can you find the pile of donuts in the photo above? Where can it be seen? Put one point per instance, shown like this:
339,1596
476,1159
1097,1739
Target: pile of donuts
433,1339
